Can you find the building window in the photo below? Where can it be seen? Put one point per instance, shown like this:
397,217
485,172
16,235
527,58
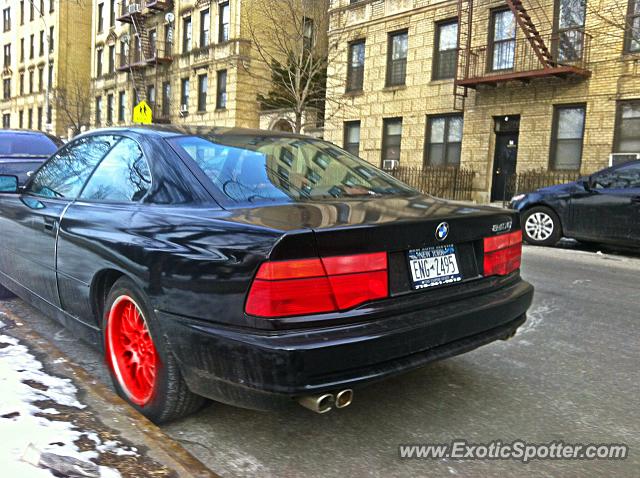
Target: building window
6,19
567,135
308,33
221,93
202,92
50,76
352,137
224,20
391,139
184,94
627,131
570,29
51,39
355,68
21,15
632,34
186,34
122,106
100,17
32,43
30,118
49,116
153,43
21,119
99,62
109,109
7,55
444,140
6,120
166,99
112,13
21,83
503,40
40,117
6,88
41,43
151,94
31,81
51,5
98,110
397,58
32,10
446,48
21,50
112,58
205,24
40,78
124,53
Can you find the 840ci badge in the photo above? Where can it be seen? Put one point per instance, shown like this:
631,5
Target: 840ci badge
434,266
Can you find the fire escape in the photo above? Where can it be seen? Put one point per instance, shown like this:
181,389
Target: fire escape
146,51
517,57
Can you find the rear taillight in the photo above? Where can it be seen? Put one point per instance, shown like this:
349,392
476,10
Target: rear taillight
314,286
502,254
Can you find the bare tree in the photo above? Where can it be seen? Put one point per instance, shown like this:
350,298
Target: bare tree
621,19
73,98
289,38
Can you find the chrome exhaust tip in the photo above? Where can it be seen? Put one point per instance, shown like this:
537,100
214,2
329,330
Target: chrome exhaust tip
318,403
344,398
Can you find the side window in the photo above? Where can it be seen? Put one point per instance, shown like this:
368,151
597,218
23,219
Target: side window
65,173
624,177
123,175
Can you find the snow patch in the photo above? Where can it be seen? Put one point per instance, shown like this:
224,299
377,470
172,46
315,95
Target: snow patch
24,425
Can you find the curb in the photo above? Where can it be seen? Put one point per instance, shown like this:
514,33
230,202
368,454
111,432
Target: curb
111,410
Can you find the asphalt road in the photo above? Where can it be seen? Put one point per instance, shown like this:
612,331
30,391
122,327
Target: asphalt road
572,373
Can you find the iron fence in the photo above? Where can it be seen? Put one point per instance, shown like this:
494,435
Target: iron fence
443,182
528,181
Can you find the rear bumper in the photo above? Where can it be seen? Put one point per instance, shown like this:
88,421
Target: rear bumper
253,368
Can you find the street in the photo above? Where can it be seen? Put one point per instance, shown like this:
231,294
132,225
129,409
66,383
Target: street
570,374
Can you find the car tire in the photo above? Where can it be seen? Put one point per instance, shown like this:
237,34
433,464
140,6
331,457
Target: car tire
541,226
143,369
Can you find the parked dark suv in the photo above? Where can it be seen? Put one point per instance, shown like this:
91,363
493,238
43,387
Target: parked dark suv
602,208
23,151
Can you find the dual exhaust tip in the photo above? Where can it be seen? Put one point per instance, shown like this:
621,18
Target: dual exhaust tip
323,403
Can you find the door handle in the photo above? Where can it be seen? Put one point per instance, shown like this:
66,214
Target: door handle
50,224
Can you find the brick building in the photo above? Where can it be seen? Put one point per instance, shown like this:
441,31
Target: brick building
494,86
46,47
192,61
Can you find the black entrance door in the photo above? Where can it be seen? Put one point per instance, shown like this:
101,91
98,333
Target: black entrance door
504,165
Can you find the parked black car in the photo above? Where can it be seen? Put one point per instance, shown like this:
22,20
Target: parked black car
23,151
602,208
253,267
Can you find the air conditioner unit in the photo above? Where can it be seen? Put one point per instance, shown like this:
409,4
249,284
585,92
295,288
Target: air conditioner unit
133,8
620,158
390,164
184,110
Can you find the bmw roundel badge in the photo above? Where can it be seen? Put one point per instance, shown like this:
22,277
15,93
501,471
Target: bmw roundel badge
442,231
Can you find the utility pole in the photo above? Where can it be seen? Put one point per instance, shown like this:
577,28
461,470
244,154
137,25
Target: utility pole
47,63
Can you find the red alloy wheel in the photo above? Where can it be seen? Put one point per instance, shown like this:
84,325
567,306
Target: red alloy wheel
130,351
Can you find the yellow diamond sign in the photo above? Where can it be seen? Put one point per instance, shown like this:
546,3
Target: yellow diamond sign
142,113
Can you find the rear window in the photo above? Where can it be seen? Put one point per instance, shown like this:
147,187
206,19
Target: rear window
255,169
25,144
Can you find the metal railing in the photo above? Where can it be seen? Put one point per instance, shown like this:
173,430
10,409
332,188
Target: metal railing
568,48
533,179
444,182
153,52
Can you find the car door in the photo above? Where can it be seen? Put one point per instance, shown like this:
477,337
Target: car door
107,211
30,221
609,210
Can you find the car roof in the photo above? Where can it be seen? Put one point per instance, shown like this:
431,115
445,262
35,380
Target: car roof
175,130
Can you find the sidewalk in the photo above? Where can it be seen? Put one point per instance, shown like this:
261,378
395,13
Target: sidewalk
56,418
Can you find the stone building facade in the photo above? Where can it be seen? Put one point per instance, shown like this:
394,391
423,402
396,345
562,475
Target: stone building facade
46,47
503,107
194,65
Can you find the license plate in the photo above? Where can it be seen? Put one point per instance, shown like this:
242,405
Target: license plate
434,266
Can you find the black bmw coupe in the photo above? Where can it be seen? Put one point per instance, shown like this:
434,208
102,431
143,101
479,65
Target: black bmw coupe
253,268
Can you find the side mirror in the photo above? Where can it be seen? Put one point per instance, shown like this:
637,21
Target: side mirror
8,184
